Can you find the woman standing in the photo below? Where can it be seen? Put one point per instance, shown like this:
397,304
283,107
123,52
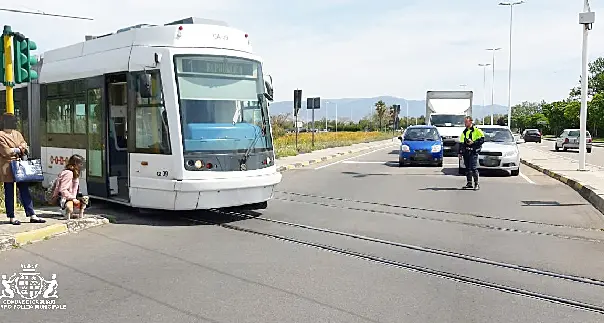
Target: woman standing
13,146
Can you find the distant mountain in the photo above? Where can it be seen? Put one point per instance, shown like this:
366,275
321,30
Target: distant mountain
359,108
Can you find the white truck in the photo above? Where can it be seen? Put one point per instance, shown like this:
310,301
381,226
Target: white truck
446,110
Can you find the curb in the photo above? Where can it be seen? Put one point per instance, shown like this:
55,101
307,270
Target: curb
306,163
587,192
23,238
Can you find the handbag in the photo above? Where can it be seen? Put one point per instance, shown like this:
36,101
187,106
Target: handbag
28,170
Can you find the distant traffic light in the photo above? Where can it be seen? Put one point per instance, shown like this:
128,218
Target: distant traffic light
297,101
24,60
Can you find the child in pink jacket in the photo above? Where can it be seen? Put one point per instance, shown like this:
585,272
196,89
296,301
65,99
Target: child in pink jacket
68,187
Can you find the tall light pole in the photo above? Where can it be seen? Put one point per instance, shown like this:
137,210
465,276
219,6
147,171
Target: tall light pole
493,83
326,102
511,5
586,18
484,85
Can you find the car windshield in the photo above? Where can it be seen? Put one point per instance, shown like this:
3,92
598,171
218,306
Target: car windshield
443,120
421,134
497,135
219,104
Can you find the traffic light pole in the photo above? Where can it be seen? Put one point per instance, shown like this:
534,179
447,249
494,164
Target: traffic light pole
8,69
8,83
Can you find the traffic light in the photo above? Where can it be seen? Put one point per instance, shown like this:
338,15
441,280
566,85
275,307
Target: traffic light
24,60
297,101
2,67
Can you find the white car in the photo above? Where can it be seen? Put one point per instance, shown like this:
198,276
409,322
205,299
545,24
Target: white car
569,139
499,151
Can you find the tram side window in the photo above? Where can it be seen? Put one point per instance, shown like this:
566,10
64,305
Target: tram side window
152,135
59,116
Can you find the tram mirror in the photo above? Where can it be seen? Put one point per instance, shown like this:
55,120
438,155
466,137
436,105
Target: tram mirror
268,84
144,85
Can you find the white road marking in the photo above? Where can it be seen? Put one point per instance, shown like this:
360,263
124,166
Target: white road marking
527,179
363,162
340,161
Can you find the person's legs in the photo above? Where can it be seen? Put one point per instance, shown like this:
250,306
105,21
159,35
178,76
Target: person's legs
474,166
28,203
467,160
9,203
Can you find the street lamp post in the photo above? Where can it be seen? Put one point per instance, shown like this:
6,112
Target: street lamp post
586,18
326,102
484,85
493,83
511,5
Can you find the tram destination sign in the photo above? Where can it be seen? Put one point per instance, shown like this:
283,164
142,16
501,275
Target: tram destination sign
200,66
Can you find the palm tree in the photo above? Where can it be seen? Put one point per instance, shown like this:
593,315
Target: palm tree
380,110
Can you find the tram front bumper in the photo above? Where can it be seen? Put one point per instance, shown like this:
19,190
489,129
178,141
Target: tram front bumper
199,194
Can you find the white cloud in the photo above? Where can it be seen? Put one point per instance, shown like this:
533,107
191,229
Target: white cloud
402,51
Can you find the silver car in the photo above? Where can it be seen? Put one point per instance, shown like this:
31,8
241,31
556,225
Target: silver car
569,139
499,151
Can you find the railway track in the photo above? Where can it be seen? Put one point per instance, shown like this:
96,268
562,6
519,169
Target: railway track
452,221
415,268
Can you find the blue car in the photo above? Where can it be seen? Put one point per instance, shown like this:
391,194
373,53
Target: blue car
421,145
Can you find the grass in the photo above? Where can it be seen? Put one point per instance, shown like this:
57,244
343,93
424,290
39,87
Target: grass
286,145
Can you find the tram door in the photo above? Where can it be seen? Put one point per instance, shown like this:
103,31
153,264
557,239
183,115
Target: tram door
117,136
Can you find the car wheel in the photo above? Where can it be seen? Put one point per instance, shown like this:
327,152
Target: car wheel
515,172
556,147
439,164
401,164
539,141
589,150
461,171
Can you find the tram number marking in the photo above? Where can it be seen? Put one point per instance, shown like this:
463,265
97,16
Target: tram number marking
162,173
219,36
58,160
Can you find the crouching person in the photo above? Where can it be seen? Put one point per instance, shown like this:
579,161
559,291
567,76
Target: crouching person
67,188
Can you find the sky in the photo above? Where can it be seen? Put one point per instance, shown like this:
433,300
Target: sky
359,48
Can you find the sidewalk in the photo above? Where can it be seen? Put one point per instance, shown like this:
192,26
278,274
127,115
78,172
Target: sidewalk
317,156
588,183
14,236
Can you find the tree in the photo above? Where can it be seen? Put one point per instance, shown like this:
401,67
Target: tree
595,82
380,110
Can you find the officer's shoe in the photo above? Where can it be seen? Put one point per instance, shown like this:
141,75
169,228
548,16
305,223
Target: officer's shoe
468,186
476,186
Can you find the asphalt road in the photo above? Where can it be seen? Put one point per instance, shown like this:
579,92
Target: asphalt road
351,240
595,158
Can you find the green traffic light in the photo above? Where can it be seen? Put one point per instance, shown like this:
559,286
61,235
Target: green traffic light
24,60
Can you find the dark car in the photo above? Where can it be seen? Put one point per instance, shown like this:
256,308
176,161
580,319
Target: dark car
532,135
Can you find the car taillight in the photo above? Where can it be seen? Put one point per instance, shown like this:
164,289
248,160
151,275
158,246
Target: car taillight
565,140
588,139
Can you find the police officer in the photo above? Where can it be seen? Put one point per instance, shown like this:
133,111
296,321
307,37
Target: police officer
471,141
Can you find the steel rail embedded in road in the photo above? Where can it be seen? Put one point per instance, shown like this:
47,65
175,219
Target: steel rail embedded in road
541,272
407,266
481,216
475,225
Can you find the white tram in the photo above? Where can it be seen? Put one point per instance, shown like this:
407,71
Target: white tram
170,117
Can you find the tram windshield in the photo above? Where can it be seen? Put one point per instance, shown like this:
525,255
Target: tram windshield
221,104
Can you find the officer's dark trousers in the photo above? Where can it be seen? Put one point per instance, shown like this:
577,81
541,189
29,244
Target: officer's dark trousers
471,163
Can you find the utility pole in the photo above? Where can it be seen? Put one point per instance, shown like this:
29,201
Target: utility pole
484,85
511,4
493,83
586,19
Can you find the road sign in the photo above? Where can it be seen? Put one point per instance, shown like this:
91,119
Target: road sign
313,103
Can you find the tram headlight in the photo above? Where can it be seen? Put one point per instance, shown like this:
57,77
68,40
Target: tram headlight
198,164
